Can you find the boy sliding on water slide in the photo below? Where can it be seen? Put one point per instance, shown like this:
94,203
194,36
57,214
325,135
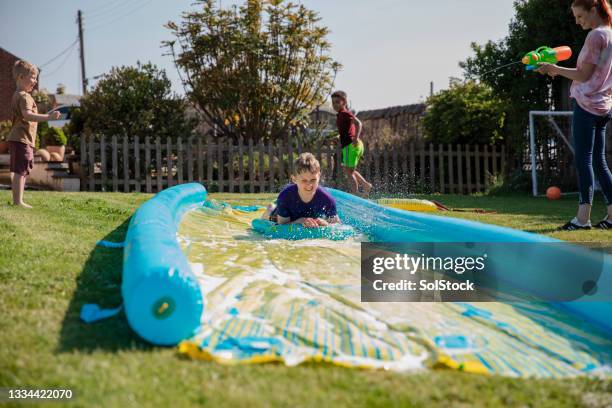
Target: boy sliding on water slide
304,202
349,128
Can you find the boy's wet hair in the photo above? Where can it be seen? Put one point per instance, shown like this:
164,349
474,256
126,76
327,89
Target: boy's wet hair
22,68
306,162
340,94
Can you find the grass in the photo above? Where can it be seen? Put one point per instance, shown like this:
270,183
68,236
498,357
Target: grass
50,267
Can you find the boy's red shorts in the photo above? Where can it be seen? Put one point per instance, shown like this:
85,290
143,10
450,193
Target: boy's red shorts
22,158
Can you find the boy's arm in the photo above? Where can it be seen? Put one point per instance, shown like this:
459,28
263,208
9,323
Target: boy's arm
334,220
358,126
307,222
283,220
37,117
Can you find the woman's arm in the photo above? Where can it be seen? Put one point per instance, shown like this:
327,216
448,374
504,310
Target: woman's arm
575,74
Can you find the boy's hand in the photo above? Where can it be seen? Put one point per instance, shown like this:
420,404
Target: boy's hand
322,223
310,223
53,115
355,141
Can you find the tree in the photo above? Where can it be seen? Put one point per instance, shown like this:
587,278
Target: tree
134,101
465,113
249,78
536,23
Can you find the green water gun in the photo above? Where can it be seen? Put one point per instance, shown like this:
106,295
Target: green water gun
546,54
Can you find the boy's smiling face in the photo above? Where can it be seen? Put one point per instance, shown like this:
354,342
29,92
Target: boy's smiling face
307,183
27,82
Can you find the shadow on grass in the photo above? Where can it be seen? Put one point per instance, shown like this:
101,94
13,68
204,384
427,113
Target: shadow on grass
99,282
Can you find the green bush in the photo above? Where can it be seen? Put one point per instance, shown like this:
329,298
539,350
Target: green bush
5,129
466,113
74,128
55,137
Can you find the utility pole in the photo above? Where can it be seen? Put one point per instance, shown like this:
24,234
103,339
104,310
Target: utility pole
431,88
84,78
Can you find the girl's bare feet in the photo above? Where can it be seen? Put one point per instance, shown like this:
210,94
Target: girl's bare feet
367,187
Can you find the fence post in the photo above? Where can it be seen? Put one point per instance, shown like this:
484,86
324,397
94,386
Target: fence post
412,162
230,164
486,166
432,169
290,143
84,167
92,162
169,162
262,180
495,157
147,169
251,167
422,163
468,167
220,166
126,165
377,176
158,164
451,169
477,163
190,159
441,167
179,159
386,160
137,164
281,161
460,168
115,158
503,159
103,162
240,165
209,161
200,162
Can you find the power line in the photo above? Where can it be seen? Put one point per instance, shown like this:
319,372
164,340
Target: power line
62,64
105,8
60,54
112,13
112,21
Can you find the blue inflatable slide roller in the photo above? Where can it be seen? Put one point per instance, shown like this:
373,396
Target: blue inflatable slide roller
163,301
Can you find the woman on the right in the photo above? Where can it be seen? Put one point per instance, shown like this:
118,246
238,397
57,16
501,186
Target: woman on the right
592,93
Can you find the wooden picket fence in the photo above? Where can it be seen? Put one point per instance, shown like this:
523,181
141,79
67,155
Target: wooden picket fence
150,165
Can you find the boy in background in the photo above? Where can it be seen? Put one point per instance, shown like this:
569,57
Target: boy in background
349,128
22,137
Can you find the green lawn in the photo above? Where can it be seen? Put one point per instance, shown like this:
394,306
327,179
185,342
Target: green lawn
49,267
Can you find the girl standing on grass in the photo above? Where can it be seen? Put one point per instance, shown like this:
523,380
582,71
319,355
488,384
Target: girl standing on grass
591,92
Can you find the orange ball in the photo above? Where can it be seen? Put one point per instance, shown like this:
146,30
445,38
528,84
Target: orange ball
553,193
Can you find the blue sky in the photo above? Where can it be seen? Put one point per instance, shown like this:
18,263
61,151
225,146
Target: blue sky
390,49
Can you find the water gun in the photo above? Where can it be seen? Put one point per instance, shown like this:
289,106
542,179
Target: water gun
546,54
